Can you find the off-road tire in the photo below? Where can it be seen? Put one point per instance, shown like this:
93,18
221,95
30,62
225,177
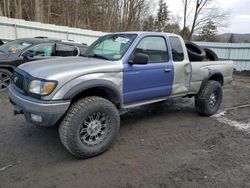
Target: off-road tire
202,99
69,129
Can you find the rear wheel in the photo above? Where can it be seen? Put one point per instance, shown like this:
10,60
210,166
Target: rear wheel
90,127
209,99
5,78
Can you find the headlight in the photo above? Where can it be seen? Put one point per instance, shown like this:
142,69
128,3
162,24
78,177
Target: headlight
41,87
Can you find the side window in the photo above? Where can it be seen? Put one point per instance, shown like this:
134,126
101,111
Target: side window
42,50
65,50
154,47
177,50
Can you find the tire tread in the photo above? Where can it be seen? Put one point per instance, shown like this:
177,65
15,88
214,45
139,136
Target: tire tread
202,98
66,129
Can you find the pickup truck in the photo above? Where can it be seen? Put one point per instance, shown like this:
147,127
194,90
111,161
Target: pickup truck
83,95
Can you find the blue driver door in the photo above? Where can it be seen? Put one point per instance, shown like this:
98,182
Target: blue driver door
151,81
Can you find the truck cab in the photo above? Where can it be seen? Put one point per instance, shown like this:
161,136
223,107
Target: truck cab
167,71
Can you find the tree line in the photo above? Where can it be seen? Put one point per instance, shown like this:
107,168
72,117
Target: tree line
200,17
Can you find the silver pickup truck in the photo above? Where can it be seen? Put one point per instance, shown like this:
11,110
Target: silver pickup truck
121,70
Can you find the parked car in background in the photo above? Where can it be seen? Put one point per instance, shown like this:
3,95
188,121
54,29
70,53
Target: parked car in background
17,52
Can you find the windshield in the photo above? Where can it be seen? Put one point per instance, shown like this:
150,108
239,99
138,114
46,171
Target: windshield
110,47
14,46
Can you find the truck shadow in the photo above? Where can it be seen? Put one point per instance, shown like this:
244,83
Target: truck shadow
45,145
164,109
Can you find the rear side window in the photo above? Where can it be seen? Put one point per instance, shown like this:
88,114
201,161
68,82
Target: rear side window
154,47
65,50
177,49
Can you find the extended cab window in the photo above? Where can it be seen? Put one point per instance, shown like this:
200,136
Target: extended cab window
177,49
42,50
154,47
65,50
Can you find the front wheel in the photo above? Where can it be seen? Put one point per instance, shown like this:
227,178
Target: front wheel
5,77
90,127
209,99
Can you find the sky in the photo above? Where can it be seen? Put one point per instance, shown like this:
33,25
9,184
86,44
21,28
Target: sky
239,20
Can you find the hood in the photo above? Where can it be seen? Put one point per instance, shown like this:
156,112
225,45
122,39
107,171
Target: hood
3,56
69,67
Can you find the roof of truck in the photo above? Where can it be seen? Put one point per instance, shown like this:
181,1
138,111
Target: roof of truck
145,32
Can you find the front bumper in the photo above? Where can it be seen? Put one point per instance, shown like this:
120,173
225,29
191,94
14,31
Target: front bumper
47,113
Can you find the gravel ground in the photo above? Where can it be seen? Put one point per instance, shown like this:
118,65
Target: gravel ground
160,145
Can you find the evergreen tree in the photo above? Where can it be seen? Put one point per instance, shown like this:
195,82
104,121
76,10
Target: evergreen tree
208,32
162,16
149,24
172,28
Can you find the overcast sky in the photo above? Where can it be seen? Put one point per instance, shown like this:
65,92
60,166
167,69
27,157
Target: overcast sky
239,21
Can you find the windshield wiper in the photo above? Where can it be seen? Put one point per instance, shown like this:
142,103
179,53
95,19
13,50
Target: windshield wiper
82,55
100,56
95,55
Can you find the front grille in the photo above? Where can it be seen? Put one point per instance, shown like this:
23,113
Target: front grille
18,81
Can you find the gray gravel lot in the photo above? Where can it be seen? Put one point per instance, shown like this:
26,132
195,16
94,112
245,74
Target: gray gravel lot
160,145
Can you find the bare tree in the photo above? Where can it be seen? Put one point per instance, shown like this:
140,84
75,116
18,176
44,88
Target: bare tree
199,7
185,4
6,8
204,11
18,9
105,15
1,11
38,11
185,30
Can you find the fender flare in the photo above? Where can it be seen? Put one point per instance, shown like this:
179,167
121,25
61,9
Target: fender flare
210,75
81,87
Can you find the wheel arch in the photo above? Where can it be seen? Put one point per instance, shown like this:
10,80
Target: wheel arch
213,75
8,67
101,88
216,76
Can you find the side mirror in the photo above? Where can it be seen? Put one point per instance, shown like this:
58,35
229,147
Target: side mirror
140,59
27,55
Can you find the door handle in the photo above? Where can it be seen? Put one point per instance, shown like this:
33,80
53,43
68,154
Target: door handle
168,70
